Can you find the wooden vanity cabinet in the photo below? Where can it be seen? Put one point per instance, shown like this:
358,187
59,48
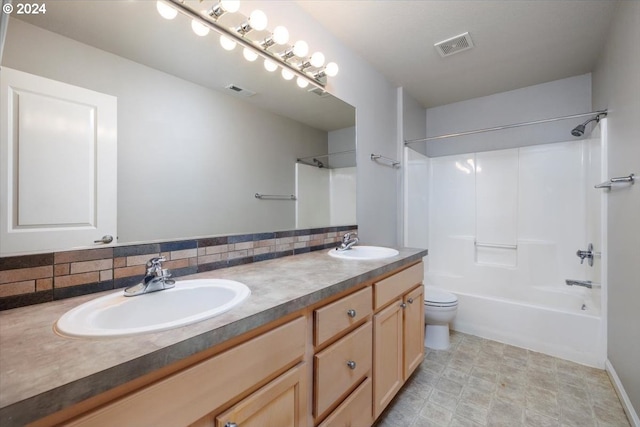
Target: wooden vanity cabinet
336,363
189,396
398,333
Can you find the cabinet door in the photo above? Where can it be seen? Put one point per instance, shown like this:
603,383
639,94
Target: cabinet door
387,355
58,164
355,411
281,403
413,330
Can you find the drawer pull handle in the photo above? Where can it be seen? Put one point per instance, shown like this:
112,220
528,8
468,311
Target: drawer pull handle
410,300
403,305
351,364
351,313
231,424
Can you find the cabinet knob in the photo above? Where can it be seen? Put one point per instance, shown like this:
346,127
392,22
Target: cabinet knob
351,313
351,364
403,305
231,424
410,300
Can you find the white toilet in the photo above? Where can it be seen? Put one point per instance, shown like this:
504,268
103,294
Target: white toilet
440,309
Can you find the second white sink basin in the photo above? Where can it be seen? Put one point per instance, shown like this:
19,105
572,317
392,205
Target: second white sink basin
188,302
364,253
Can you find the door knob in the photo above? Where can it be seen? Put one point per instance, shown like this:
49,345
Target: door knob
105,239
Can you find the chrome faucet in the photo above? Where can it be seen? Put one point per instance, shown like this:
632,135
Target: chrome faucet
586,254
348,240
156,279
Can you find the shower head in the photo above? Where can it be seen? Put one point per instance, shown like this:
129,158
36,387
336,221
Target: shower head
578,131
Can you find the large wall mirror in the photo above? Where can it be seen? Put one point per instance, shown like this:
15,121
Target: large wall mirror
192,154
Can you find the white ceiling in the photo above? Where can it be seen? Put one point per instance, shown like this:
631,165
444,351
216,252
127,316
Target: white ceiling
517,43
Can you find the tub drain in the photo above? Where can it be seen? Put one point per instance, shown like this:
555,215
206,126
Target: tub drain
584,306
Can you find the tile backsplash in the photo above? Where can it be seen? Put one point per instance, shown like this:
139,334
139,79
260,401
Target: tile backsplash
39,278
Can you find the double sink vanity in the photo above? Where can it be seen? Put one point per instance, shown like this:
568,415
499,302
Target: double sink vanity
321,340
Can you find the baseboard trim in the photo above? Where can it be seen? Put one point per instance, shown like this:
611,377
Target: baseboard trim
632,415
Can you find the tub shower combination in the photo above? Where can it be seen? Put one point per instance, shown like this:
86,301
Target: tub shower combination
504,229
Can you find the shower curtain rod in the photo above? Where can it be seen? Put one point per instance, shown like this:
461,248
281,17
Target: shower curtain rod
515,125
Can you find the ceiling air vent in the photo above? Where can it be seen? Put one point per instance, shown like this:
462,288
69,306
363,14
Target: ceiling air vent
454,45
239,90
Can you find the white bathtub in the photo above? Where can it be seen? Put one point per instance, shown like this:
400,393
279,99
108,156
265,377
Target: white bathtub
560,321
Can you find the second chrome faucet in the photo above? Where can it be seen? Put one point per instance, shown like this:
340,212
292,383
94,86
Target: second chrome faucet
348,240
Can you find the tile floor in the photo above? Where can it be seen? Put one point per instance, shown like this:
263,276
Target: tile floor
478,382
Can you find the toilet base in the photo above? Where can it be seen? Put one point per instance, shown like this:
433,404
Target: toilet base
437,337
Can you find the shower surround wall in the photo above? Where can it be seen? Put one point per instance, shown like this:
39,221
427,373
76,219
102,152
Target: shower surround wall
504,227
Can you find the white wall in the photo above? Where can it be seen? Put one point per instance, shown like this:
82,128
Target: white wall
517,197
313,194
340,141
374,97
342,188
548,100
186,156
417,175
616,86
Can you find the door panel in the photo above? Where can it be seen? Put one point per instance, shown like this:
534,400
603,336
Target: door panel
58,170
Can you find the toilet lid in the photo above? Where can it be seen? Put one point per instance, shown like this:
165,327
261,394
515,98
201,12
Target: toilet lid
438,297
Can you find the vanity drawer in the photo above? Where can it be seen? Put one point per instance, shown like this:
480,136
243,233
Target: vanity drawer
340,315
341,366
392,287
355,410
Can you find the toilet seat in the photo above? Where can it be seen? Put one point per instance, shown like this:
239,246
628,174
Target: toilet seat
434,297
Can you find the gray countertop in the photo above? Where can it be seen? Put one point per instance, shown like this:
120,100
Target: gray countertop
42,373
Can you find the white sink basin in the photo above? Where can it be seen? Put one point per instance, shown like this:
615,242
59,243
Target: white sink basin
188,302
364,253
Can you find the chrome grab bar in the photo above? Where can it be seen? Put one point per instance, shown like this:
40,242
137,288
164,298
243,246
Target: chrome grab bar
392,162
275,196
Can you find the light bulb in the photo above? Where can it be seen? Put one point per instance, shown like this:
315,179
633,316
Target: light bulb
302,82
270,66
258,20
280,35
286,74
249,55
230,6
300,49
199,28
331,69
166,11
317,59
227,43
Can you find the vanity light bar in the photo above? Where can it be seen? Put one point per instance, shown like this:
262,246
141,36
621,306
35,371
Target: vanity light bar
317,79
